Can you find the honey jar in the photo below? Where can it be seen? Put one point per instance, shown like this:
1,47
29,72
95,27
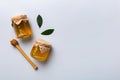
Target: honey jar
21,26
41,50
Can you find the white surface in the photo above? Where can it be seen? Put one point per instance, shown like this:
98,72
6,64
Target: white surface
86,41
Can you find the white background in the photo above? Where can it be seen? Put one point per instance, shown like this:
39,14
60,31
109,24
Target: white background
86,41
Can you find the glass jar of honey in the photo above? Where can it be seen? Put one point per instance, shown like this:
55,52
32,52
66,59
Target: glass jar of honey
41,50
21,26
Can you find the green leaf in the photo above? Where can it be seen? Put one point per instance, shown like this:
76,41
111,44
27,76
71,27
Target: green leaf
47,32
39,21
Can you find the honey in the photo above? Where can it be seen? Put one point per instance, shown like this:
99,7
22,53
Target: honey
21,26
41,50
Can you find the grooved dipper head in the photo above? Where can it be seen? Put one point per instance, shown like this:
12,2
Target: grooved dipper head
14,42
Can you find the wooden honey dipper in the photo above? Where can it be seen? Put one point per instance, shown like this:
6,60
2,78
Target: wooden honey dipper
16,44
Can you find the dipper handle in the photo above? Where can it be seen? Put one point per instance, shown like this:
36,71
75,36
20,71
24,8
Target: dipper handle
26,57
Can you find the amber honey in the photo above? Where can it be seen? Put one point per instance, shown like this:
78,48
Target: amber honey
40,50
21,26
